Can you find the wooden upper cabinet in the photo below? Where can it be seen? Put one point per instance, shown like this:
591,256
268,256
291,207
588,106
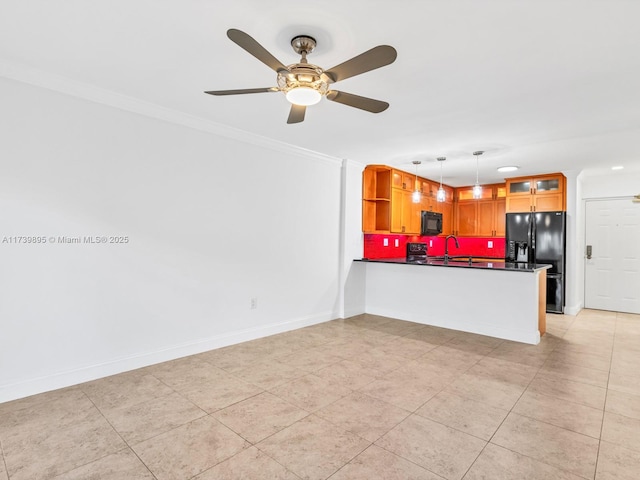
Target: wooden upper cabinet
466,193
387,203
405,215
376,199
376,183
466,219
403,180
482,217
542,193
446,208
486,218
500,225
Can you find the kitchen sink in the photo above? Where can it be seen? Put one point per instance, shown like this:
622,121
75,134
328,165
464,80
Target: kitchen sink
455,259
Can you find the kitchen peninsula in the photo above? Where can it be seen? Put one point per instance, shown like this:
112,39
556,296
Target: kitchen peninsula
503,300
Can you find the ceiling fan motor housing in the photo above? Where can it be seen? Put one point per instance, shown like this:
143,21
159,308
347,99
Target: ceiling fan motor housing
302,75
303,44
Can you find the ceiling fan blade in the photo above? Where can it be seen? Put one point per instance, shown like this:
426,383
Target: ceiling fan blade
242,91
296,114
363,103
254,48
370,60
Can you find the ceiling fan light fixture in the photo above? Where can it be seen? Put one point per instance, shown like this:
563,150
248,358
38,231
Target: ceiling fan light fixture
303,96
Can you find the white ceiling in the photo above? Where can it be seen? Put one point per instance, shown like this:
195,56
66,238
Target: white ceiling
547,85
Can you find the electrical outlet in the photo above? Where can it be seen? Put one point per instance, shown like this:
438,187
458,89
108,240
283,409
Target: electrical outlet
254,303
430,243
490,244
385,242
396,242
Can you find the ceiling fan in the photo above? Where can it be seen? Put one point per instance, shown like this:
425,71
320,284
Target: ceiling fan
304,83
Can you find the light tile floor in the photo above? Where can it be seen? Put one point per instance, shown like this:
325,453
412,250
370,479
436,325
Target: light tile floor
364,398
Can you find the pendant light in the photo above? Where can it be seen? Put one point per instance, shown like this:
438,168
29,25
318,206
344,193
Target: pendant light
416,196
441,195
477,189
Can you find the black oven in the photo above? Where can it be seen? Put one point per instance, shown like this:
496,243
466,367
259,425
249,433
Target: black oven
431,223
416,252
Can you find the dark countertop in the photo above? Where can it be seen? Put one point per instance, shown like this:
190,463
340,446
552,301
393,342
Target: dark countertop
462,262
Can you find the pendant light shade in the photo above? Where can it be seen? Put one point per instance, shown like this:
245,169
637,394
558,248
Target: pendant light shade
477,188
416,196
441,196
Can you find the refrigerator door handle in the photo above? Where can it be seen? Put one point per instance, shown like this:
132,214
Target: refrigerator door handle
534,234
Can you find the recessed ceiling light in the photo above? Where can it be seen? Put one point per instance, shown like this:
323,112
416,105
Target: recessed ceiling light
511,168
617,167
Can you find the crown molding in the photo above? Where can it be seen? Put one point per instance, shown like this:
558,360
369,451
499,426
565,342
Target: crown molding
85,91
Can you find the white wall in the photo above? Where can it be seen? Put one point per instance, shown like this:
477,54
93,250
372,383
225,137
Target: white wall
573,283
618,183
353,279
211,222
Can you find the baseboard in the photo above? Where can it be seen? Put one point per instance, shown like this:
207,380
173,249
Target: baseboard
353,312
573,309
68,378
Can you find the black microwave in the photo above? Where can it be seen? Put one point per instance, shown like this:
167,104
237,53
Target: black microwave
431,223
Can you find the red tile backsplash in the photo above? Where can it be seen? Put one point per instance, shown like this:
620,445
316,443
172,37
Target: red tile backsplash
478,247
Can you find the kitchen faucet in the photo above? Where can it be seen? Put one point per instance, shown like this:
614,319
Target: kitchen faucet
446,246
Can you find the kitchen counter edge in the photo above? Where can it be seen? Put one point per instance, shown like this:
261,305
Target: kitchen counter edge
498,265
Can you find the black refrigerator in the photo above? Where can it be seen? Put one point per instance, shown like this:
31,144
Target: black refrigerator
540,238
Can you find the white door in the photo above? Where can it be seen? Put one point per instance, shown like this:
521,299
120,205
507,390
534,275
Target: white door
612,274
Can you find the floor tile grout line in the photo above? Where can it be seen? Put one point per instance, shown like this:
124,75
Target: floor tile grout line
251,444
256,445
604,407
407,459
126,447
378,346
519,453
4,459
499,426
205,414
553,424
